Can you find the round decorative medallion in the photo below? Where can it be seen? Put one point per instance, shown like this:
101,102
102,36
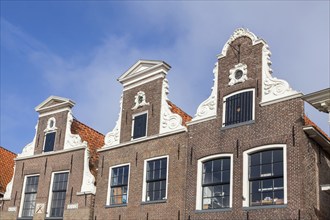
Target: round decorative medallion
238,74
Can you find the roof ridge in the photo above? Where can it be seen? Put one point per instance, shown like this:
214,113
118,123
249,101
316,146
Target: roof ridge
8,150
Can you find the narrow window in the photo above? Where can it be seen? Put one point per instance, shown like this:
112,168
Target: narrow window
156,179
49,141
216,184
30,194
266,178
60,181
119,184
140,126
238,108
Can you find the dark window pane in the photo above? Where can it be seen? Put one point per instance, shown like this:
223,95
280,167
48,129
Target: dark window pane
239,108
226,164
140,126
49,142
255,187
277,155
226,176
216,177
207,167
254,171
278,183
266,157
118,192
278,169
30,195
255,199
266,170
255,159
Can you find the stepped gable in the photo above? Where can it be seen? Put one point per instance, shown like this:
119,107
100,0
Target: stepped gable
7,167
94,139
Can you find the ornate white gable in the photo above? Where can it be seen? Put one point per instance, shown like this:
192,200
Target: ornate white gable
113,137
72,140
88,181
208,108
273,89
53,103
142,72
169,121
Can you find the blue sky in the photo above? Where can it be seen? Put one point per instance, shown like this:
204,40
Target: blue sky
78,49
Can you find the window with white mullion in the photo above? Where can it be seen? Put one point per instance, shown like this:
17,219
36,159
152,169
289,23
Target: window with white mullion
216,184
156,179
119,185
30,195
266,178
58,194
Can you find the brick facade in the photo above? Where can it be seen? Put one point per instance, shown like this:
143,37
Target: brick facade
277,122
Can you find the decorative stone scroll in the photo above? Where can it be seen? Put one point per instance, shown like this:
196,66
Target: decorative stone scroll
169,121
208,108
238,74
113,137
72,140
87,185
140,100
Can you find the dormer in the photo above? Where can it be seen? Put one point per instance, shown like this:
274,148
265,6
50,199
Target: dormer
145,110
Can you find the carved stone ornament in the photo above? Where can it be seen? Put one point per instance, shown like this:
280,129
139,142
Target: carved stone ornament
112,138
208,108
9,187
238,74
51,125
274,89
140,100
88,181
28,150
169,121
72,140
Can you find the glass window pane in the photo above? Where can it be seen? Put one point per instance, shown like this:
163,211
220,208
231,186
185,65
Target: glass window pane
226,164
216,165
278,155
266,170
278,169
255,171
226,176
266,157
207,167
255,159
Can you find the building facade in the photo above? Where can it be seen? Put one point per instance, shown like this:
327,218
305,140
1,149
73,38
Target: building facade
250,152
54,174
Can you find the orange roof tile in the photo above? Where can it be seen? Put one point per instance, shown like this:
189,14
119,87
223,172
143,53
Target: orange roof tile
94,139
175,109
307,121
7,167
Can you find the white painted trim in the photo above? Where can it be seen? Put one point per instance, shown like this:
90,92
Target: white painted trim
64,102
9,187
50,153
246,194
208,108
144,184
113,137
50,194
133,122
199,192
109,181
197,121
325,187
234,93
136,83
138,140
23,193
54,112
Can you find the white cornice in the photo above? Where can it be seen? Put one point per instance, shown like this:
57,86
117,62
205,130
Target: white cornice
46,154
62,102
106,148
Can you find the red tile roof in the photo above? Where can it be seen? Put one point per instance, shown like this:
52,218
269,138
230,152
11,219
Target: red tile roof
7,167
94,139
175,109
307,121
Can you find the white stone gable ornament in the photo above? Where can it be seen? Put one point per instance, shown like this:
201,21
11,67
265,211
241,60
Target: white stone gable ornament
238,74
140,100
113,137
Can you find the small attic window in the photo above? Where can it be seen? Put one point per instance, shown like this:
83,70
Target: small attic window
139,125
49,141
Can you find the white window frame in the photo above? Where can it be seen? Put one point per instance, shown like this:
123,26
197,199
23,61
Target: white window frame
199,188
50,194
235,93
144,184
133,122
246,188
23,193
109,182
43,147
